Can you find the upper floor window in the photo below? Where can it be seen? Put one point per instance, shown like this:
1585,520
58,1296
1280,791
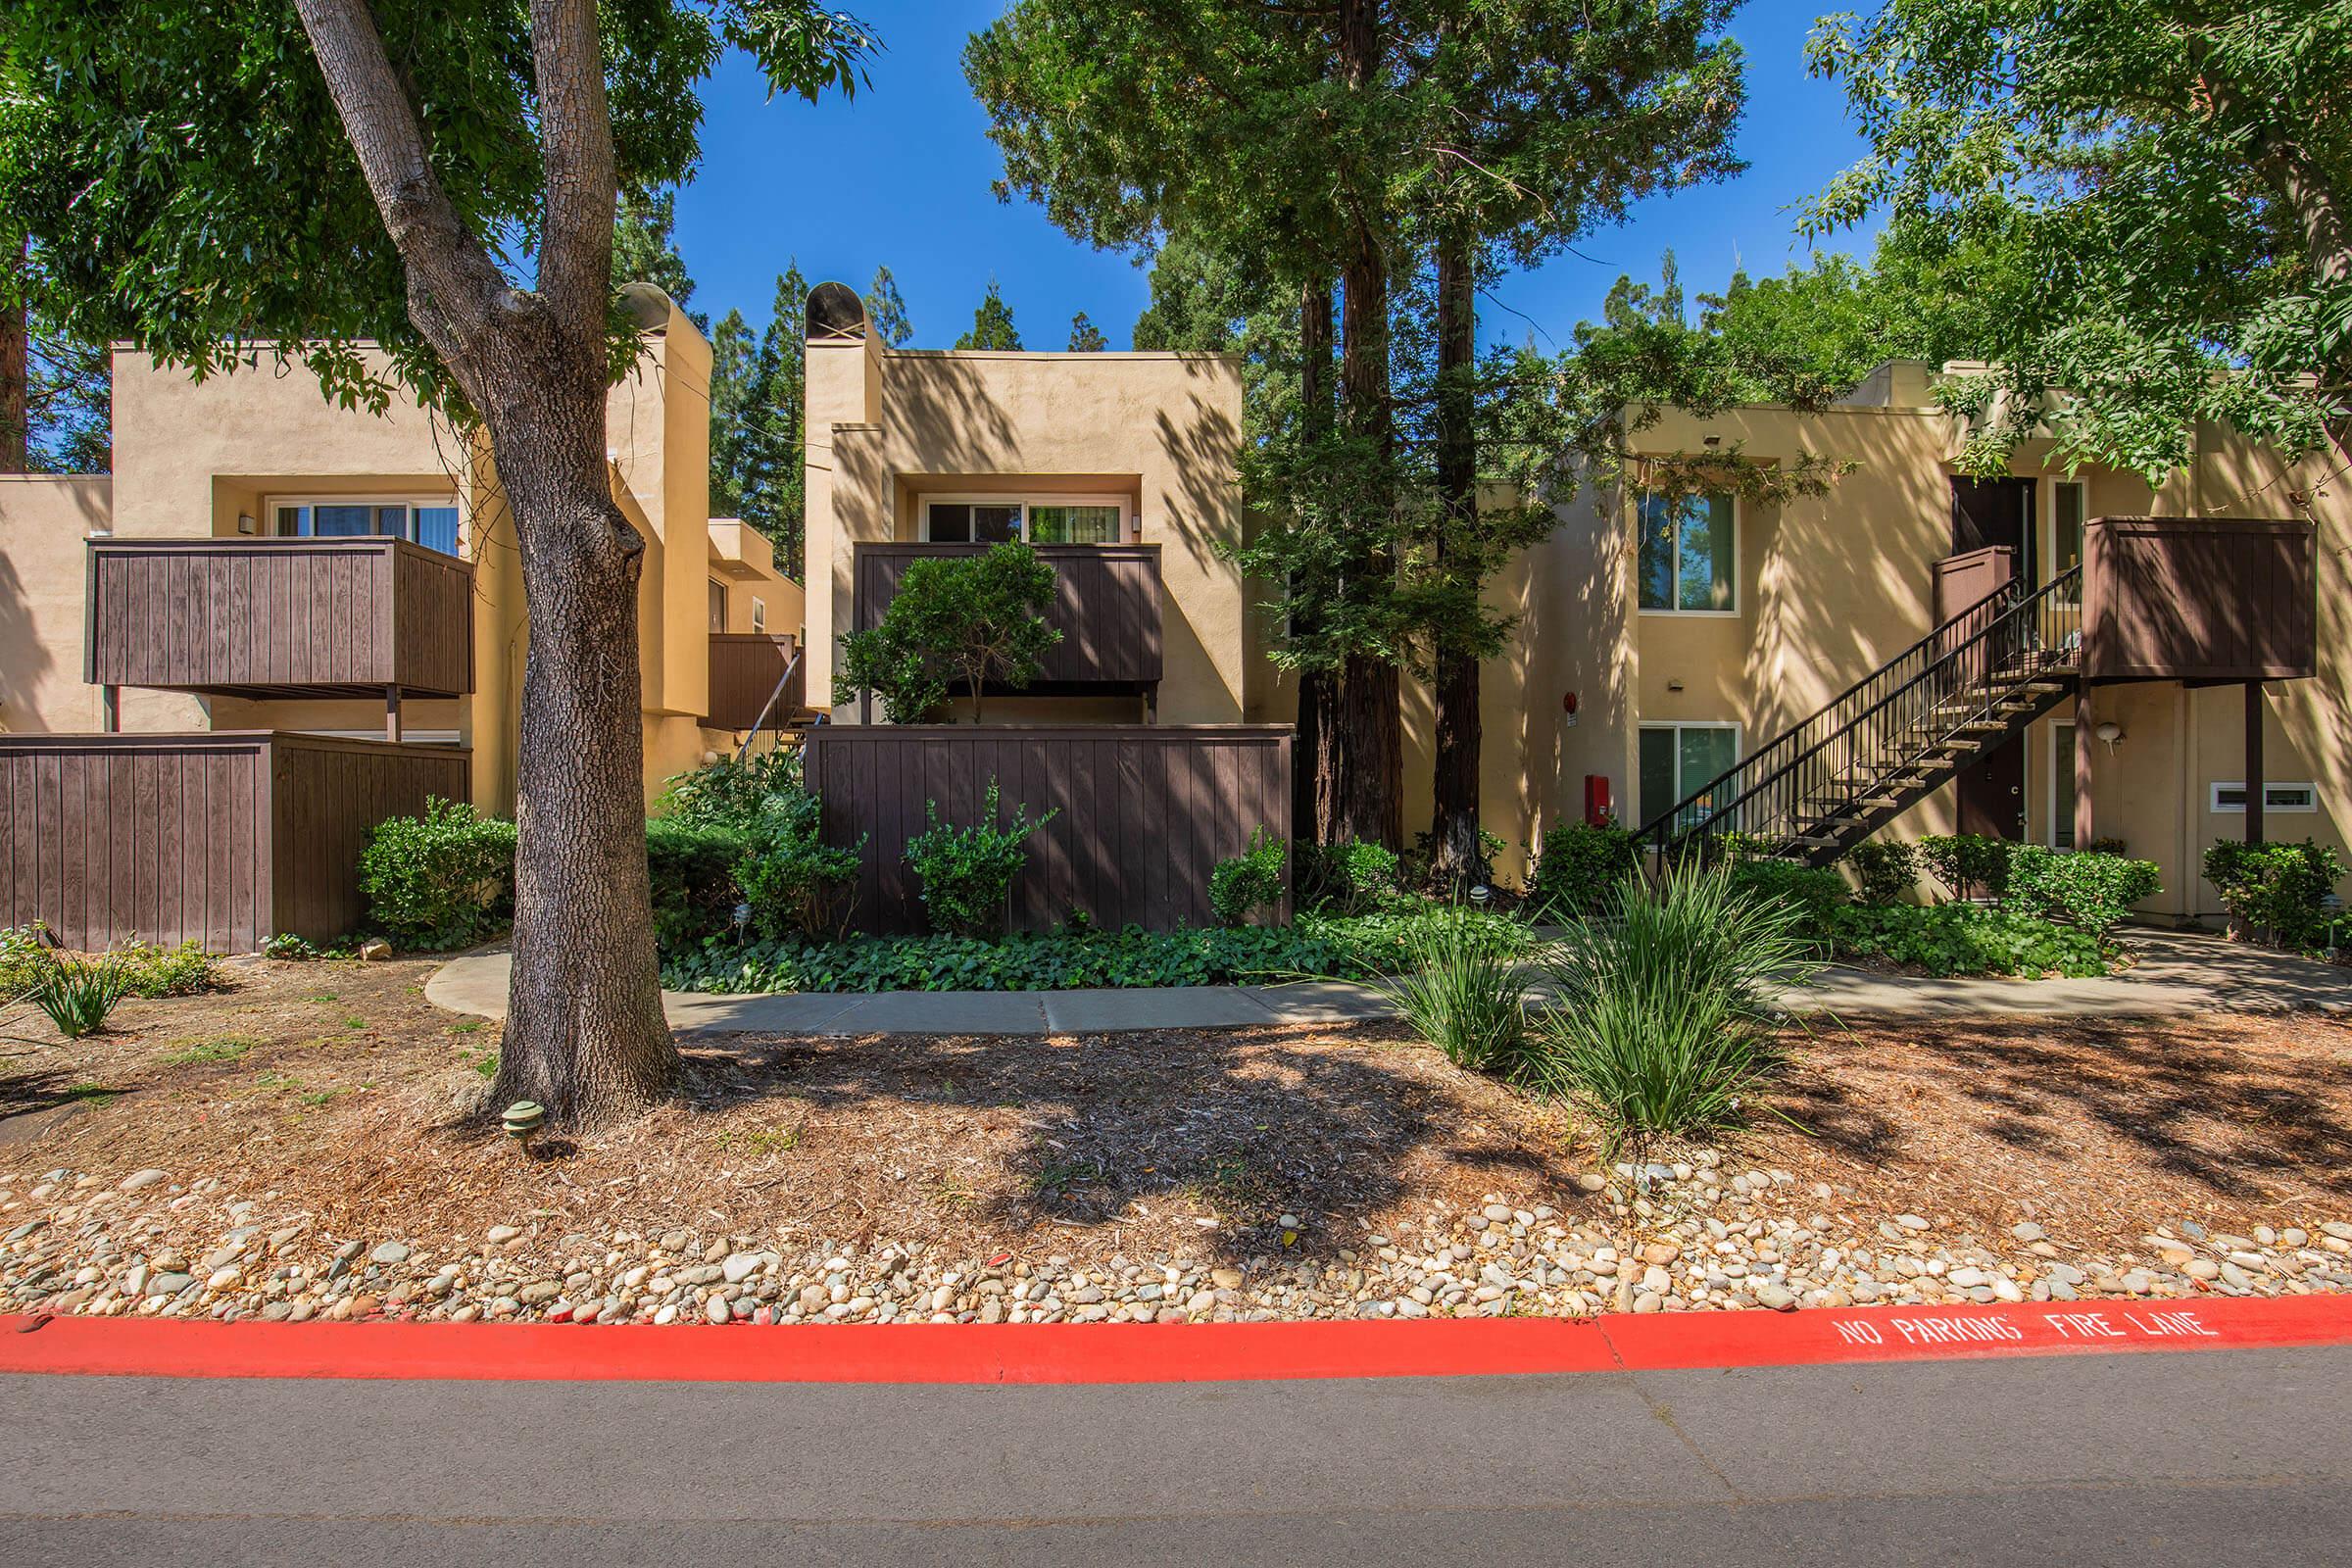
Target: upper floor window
759,614
431,523
1040,520
1689,558
718,605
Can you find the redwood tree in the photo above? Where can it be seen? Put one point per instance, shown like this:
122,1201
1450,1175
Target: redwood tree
220,182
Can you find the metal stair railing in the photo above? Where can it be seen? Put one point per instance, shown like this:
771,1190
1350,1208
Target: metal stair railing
1902,721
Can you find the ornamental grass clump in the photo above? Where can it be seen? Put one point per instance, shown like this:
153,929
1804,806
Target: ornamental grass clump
1461,986
78,993
1661,1026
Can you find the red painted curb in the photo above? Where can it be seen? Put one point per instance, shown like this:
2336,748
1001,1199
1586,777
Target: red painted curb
1118,1352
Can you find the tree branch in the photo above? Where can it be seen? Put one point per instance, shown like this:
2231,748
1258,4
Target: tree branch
446,264
576,149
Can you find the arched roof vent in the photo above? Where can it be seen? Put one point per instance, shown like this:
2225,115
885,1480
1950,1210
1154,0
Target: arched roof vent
836,314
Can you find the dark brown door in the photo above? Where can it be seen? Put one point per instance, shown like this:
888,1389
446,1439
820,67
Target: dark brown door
1996,512
1992,792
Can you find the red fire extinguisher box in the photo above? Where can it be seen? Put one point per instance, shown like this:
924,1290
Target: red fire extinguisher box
1596,800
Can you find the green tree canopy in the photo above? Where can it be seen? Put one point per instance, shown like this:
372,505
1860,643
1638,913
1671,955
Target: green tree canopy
1085,336
991,323
2166,183
886,313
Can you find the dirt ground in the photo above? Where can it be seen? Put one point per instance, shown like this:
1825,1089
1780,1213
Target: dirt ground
336,1088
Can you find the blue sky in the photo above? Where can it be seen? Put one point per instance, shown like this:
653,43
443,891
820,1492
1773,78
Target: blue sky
901,176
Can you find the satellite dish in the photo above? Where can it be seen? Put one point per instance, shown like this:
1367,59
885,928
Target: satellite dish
836,312
646,305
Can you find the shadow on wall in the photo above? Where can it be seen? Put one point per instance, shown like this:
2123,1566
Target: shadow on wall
1205,451
946,413
45,521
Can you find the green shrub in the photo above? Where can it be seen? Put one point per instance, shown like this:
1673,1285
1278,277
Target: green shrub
442,880
2093,891
968,872
1348,879
1968,865
152,971
23,958
1967,939
1351,947
1886,869
2277,891
1580,866
78,993
690,869
1815,891
1249,882
727,792
1459,987
789,876
1662,1022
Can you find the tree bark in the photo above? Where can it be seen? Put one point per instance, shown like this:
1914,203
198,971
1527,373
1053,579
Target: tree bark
1454,819
1314,809
585,1035
1365,740
16,410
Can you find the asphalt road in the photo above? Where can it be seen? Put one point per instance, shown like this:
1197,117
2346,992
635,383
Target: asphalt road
2240,1455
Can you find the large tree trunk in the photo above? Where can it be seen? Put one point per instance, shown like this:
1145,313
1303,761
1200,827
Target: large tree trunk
1366,726
1314,809
1453,821
585,1035
16,410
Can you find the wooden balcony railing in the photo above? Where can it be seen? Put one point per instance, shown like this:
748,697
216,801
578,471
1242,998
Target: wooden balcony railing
1106,605
2200,599
745,668
279,617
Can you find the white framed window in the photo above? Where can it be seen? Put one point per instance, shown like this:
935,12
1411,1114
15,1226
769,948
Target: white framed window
1679,760
2230,797
427,521
758,613
1688,559
1037,519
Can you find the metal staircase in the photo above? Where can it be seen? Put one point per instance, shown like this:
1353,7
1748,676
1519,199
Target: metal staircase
1899,733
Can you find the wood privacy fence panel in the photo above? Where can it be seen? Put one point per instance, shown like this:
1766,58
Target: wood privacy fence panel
2200,599
745,668
1969,579
278,615
1145,811
225,838
1106,606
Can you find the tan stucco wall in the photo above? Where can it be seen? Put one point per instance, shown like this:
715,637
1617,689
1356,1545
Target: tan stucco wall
1165,429
43,520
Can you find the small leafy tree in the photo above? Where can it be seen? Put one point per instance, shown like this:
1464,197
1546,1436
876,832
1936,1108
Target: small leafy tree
968,872
966,620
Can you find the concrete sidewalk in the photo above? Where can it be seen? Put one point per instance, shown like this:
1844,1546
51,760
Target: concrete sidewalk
2175,974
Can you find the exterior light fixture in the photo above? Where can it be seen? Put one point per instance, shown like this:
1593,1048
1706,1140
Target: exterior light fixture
2109,734
742,918
1482,895
523,1118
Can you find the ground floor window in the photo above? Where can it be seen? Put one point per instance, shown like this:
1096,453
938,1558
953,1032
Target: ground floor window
2231,796
1040,520
1680,760
432,523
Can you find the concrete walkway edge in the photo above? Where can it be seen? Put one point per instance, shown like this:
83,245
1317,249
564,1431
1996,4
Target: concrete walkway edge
2175,974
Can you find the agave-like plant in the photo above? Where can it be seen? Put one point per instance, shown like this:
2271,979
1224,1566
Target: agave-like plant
1662,1022
78,993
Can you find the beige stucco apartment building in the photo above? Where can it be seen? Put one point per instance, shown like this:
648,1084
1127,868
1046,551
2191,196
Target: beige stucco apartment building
260,453
1634,672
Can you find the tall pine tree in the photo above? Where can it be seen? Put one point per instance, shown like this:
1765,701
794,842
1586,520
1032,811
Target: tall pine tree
991,323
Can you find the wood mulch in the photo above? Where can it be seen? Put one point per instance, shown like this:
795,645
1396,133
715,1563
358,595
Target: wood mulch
336,1089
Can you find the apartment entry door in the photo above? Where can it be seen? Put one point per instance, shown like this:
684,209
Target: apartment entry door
1987,512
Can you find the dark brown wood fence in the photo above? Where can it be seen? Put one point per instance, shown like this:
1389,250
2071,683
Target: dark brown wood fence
1106,605
278,616
1968,578
745,668
2200,599
1145,811
223,837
